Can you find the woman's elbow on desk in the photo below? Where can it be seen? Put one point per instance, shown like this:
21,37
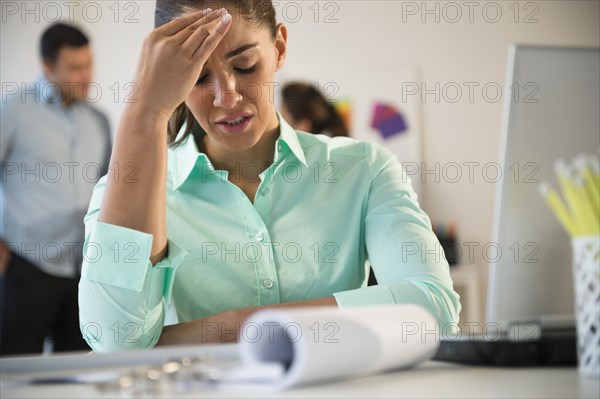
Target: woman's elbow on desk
107,326
436,297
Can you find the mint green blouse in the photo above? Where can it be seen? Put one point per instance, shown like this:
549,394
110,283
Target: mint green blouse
323,208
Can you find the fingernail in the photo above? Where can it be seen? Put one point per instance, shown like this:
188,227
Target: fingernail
226,18
220,11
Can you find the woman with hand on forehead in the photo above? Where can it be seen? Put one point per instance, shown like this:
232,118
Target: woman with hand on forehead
215,207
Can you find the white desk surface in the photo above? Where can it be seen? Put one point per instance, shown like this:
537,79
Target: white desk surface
432,380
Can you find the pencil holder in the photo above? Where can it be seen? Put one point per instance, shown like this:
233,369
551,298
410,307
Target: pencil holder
586,269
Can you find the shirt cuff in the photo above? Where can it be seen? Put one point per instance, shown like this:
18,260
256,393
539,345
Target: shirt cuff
120,257
175,257
374,295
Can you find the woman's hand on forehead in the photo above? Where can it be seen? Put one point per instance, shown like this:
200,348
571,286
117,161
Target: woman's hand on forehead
173,56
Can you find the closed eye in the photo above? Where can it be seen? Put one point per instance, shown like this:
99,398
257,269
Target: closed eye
202,79
247,70
244,71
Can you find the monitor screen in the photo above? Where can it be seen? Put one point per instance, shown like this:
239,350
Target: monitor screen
551,111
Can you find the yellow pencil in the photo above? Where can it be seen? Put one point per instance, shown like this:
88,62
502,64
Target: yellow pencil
559,209
584,165
572,201
589,222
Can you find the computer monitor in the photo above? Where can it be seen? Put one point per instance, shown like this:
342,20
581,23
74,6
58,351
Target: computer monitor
551,111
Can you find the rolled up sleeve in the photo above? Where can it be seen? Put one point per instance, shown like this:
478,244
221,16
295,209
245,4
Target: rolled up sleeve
121,295
405,254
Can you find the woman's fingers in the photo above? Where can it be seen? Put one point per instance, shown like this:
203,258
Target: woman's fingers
182,60
184,34
201,44
177,24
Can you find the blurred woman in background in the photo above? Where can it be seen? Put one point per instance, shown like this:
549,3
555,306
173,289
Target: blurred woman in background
306,109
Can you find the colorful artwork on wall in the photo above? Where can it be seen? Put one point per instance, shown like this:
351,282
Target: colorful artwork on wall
387,120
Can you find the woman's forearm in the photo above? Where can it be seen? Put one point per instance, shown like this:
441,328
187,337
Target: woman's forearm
223,327
135,195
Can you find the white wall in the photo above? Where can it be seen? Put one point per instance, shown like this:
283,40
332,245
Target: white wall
473,49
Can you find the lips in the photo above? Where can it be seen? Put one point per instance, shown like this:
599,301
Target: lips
234,117
235,122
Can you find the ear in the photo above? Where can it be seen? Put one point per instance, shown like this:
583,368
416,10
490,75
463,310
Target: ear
48,68
280,46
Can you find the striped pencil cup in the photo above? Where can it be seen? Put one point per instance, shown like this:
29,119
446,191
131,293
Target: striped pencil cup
586,269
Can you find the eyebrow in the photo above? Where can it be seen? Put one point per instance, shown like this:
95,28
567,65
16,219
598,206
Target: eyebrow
240,50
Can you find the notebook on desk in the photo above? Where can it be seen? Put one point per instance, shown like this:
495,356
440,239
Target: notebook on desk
550,111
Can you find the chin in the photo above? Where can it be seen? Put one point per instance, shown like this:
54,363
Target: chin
239,142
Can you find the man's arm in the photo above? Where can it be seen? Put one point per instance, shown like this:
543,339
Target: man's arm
7,128
5,255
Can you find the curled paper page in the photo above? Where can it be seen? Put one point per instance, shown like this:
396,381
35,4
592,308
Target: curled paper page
280,348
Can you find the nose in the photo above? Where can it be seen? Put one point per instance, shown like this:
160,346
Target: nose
226,94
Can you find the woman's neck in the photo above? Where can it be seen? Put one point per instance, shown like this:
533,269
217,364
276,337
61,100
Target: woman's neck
237,163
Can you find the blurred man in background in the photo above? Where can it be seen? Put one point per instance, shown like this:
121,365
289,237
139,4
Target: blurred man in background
54,146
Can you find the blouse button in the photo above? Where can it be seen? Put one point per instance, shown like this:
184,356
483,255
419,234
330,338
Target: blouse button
268,283
260,236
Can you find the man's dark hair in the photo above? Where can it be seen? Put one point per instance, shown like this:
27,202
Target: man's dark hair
58,36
